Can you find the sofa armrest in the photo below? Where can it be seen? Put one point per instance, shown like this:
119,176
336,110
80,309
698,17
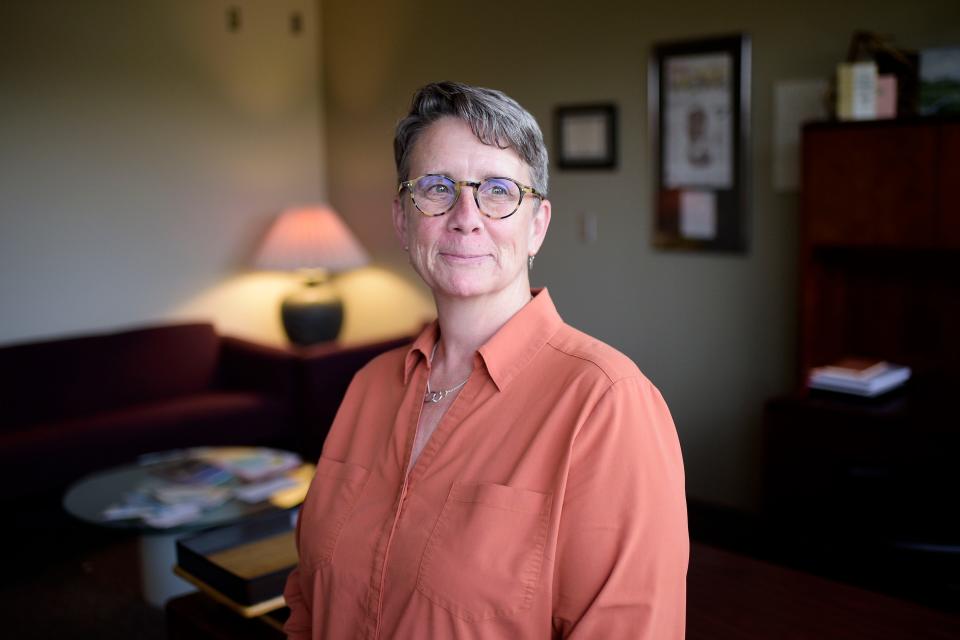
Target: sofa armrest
327,372
248,366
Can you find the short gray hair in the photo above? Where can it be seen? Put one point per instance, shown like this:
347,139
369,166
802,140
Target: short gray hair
495,118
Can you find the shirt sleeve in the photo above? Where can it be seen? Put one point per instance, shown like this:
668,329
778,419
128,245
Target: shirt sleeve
623,544
298,625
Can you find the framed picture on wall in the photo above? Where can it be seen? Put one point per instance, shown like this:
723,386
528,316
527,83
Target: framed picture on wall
586,136
699,102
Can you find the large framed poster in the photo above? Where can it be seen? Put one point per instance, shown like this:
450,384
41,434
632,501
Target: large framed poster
699,97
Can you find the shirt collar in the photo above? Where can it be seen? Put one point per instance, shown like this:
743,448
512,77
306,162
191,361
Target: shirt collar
510,349
421,347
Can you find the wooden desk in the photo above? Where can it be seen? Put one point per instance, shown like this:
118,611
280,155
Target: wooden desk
733,597
867,488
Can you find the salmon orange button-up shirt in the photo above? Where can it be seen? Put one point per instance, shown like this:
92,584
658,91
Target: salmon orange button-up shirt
548,503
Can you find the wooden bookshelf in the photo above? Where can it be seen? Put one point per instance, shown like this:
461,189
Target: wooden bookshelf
880,243
880,278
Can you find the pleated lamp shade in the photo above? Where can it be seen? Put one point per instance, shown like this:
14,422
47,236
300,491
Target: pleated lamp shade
310,238
313,239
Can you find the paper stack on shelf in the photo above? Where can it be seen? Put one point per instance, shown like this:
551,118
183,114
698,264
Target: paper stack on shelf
858,376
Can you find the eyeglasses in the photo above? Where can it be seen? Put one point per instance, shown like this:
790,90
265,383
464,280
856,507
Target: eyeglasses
497,198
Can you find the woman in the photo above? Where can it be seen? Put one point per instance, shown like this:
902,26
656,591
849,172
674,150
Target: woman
506,476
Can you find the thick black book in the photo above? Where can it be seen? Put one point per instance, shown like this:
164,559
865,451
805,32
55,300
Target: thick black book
248,563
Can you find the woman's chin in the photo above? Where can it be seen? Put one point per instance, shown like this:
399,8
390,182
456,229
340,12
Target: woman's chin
464,285
474,285
461,290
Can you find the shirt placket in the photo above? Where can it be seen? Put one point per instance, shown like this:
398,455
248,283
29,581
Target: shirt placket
408,417
409,420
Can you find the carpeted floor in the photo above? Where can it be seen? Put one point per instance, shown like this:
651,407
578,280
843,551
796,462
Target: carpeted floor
65,580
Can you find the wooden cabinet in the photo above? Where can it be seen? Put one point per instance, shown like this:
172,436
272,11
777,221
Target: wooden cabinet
880,243
870,186
882,185
948,189
880,277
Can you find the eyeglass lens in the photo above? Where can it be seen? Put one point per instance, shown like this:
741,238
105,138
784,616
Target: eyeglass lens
496,197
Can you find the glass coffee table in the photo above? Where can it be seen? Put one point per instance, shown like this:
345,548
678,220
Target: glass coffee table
91,498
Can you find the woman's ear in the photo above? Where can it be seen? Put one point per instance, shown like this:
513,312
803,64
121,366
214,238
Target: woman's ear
399,222
538,226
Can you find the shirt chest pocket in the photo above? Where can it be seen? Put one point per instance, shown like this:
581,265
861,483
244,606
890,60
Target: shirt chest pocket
484,556
329,502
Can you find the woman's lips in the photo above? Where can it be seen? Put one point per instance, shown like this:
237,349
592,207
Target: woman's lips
463,258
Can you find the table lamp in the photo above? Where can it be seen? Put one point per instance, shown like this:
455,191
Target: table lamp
315,241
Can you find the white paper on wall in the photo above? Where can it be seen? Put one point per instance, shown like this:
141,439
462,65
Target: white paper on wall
698,215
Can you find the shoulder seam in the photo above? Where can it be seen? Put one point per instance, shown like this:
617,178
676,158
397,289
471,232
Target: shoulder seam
610,379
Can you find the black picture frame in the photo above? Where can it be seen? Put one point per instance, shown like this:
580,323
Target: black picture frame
586,136
699,108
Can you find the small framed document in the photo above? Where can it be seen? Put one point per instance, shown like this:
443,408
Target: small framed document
586,136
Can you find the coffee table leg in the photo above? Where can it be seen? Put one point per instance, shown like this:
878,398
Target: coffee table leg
158,555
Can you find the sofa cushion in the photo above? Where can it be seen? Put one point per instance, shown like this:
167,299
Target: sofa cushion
48,456
75,377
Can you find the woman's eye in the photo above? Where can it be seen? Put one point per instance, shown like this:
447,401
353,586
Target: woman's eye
438,188
496,190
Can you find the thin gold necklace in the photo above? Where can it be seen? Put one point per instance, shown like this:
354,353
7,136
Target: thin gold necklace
437,396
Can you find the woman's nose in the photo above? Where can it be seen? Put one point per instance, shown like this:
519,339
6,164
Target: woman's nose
465,216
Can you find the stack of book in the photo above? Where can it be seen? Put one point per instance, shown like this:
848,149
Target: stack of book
244,566
858,376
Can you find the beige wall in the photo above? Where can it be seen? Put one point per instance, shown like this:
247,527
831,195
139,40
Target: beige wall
144,150
715,332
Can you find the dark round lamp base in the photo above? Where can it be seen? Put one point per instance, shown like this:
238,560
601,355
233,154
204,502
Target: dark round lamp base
309,321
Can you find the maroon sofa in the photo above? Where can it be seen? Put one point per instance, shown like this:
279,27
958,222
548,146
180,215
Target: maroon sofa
75,405
326,372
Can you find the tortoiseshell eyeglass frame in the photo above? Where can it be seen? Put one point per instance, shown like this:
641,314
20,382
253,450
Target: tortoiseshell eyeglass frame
458,184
